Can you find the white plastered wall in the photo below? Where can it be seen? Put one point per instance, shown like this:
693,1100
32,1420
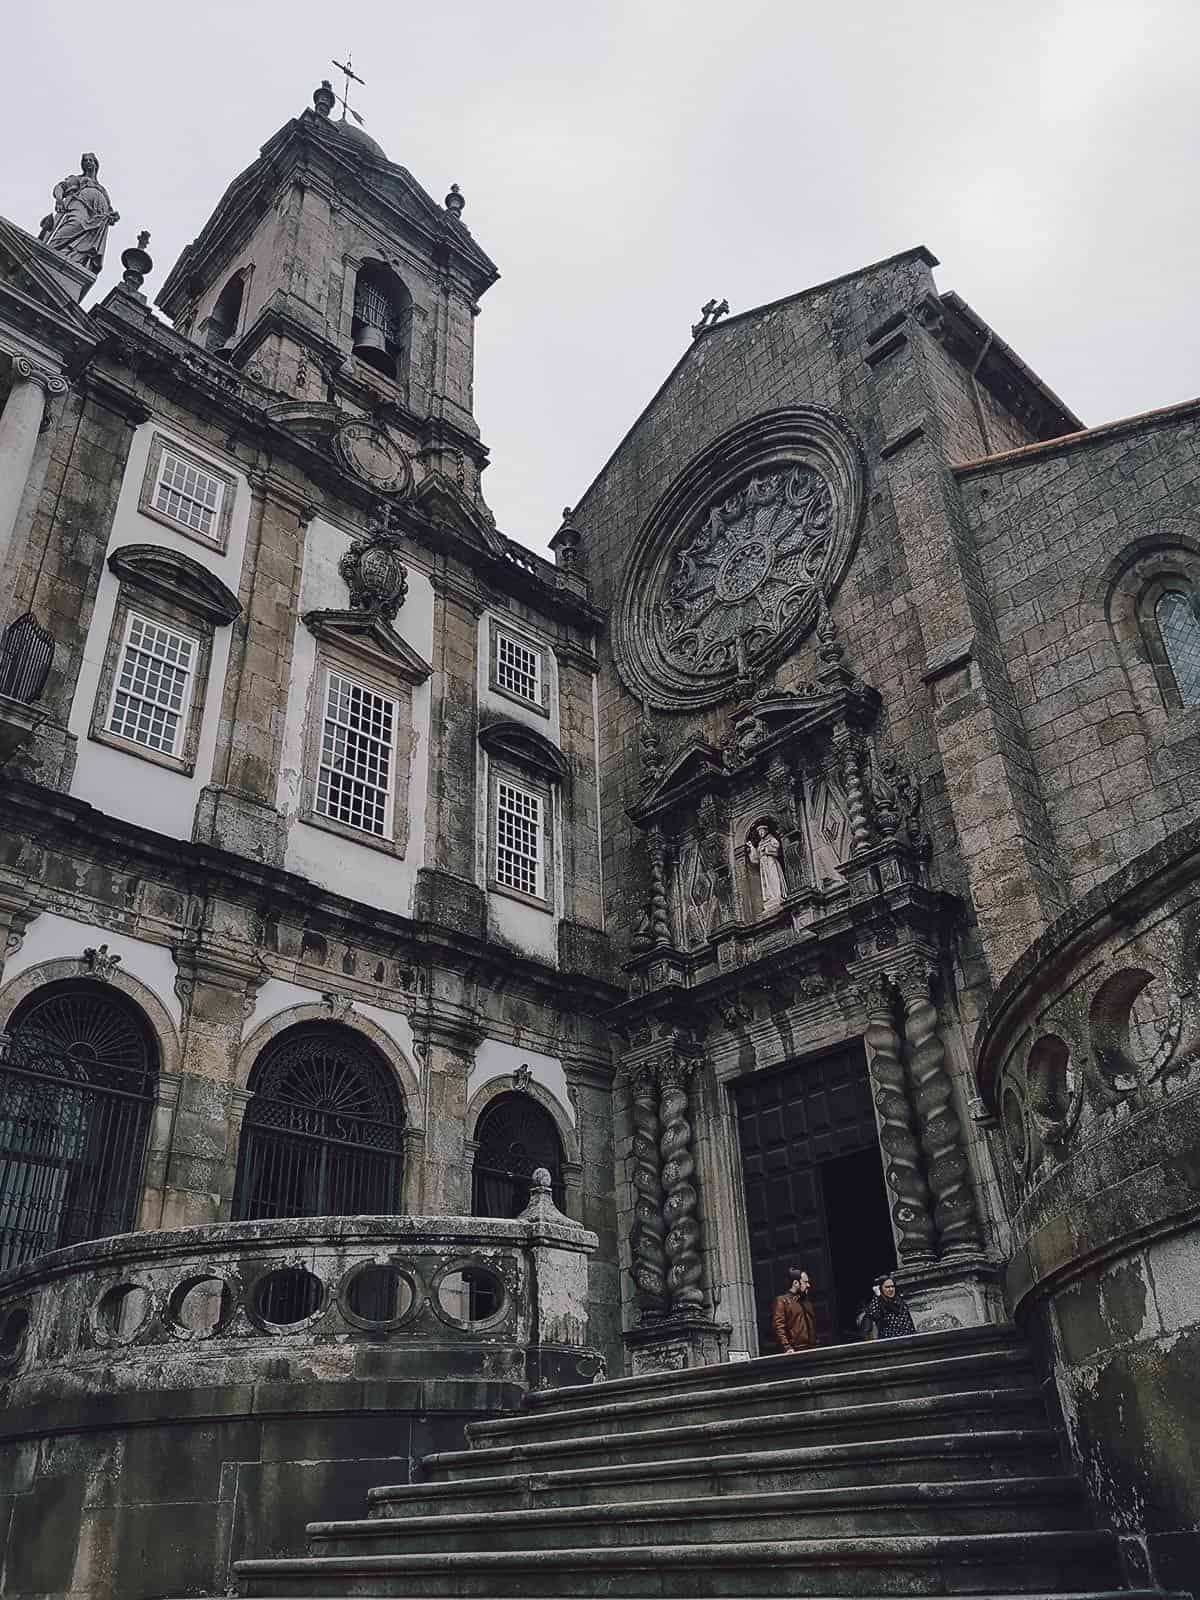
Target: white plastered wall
54,938
526,927
495,1059
358,871
117,782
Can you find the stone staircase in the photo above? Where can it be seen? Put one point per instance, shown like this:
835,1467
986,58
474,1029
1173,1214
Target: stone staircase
920,1466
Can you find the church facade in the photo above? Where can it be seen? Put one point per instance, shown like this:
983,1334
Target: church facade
797,869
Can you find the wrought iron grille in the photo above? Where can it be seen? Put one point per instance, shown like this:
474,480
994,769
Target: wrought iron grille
78,1078
515,1136
323,1135
26,652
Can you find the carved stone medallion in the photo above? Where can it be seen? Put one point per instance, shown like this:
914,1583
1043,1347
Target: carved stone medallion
367,453
733,564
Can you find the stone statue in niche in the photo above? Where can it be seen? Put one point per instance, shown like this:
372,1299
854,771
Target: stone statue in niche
78,226
766,854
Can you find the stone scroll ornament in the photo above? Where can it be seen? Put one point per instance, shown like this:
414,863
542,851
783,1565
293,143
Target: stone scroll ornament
680,1200
941,1134
736,560
649,1266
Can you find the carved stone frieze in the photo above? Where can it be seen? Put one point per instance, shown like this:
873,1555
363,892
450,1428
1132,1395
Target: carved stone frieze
735,561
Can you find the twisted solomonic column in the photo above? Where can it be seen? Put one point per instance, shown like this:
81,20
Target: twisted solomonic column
941,1134
897,1130
649,1231
680,1200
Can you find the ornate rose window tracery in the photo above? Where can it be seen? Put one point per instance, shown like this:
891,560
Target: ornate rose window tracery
734,560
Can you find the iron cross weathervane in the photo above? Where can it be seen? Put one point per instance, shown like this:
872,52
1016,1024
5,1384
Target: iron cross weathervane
347,67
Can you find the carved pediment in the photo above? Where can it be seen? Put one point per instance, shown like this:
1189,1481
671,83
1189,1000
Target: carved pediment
372,637
443,501
765,727
33,293
513,741
176,578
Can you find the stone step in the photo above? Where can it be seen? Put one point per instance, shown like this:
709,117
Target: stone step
989,1339
987,1594
957,1564
945,1457
967,1411
981,1506
792,1388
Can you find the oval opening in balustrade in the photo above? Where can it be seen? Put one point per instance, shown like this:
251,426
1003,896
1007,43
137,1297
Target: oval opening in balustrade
122,1311
1012,1118
201,1307
471,1295
288,1295
378,1295
14,1330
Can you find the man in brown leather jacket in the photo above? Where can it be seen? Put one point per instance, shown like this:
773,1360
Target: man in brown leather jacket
792,1315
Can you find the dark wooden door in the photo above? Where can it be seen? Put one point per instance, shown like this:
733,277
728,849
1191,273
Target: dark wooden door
797,1124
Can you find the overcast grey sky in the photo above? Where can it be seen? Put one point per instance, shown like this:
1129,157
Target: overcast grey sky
624,161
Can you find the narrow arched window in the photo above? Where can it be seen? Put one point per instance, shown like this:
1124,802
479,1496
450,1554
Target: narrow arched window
382,319
1179,630
220,329
323,1134
514,1137
78,1082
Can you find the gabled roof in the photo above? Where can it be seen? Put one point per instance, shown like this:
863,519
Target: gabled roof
391,192
32,298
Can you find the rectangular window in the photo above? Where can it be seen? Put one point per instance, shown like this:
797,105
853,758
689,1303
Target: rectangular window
354,773
518,839
188,495
153,685
518,669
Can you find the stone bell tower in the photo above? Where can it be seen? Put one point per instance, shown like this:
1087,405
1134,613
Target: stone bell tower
328,275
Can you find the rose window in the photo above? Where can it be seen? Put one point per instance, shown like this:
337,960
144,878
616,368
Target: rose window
731,567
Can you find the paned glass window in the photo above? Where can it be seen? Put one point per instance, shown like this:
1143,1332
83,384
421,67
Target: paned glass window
519,669
518,839
1179,629
153,687
188,495
354,778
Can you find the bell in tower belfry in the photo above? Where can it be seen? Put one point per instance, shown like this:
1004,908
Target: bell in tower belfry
376,319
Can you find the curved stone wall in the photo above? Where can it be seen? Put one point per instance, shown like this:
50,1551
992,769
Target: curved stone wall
211,1385
1089,1060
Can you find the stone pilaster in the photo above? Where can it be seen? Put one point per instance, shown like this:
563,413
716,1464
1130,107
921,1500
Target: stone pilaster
946,1165
446,1048
912,1220
216,985
238,810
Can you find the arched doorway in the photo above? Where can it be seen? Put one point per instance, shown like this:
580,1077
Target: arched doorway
323,1134
514,1136
78,1082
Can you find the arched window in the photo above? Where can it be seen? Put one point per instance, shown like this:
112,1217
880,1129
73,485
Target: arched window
382,319
221,327
78,1081
514,1137
1179,630
323,1135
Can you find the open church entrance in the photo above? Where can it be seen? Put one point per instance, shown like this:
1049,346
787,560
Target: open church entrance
815,1194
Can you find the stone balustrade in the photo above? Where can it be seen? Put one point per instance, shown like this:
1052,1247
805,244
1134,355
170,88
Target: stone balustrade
1089,1064
223,1379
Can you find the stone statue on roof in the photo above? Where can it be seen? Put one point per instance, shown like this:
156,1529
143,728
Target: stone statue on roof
78,226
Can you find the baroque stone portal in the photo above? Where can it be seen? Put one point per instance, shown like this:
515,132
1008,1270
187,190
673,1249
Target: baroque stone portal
735,561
